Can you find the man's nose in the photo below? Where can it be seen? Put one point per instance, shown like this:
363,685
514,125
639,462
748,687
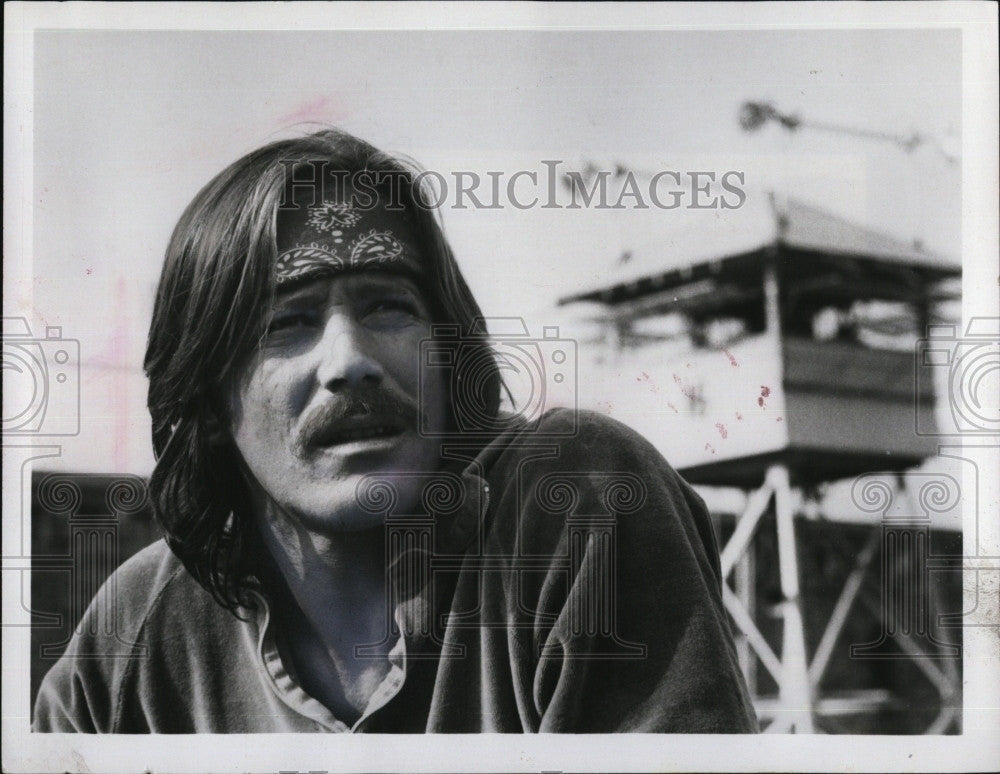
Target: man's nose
347,357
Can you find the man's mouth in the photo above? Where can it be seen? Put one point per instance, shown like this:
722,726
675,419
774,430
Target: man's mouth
356,429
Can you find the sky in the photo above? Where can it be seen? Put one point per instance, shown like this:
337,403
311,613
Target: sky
128,125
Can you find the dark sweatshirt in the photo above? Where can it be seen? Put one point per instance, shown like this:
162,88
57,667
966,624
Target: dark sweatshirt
575,588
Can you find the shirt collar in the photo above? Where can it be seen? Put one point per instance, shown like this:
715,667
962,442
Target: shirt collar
417,631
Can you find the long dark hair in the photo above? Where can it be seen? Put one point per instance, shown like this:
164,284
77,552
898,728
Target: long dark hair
216,285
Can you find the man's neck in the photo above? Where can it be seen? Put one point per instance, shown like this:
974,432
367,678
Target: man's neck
335,599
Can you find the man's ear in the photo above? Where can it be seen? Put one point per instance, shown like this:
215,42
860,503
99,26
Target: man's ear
216,435
215,428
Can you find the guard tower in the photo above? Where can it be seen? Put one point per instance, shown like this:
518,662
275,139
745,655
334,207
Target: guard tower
776,365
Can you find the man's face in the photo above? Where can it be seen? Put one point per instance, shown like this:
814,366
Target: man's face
331,394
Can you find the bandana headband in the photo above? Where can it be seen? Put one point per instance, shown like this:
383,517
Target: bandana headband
330,238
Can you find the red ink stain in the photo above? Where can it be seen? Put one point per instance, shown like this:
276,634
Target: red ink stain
319,109
765,391
760,402
739,416
732,360
708,447
674,408
116,353
722,429
645,378
90,271
779,419
690,392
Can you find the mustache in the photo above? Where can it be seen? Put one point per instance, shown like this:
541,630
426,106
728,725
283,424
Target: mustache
377,402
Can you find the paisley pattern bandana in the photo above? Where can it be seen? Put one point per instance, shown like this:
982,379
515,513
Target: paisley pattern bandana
332,237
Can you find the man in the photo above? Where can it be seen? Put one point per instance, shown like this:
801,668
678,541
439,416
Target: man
355,537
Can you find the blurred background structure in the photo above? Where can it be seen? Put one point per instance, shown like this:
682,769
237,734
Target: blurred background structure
799,349
798,354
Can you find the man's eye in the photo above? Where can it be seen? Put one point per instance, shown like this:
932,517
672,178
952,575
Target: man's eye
389,310
290,321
